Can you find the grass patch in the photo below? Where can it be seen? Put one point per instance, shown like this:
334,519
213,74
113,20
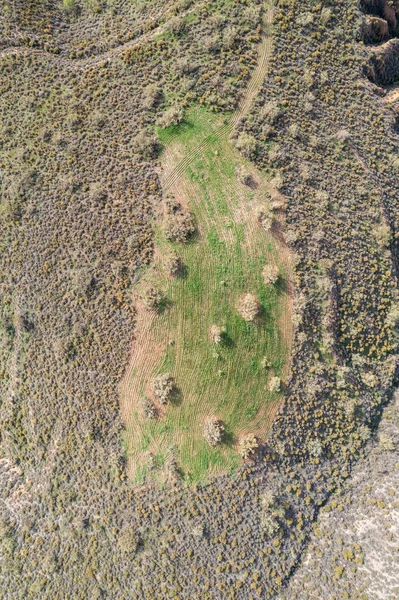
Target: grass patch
225,261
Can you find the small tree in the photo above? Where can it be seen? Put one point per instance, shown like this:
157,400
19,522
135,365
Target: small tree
213,431
217,333
248,307
270,274
152,96
247,445
175,26
163,386
146,144
244,176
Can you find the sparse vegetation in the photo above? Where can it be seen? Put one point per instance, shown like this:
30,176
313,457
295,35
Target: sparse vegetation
208,339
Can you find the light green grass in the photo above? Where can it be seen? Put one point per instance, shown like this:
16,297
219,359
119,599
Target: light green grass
223,262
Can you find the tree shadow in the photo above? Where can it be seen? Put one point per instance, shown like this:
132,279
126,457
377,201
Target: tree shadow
251,183
183,272
163,306
227,341
229,439
177,397
282,285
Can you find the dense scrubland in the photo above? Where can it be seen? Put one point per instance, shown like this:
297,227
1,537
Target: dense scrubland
83,87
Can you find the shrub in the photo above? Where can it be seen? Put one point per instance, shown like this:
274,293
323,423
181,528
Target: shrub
69,6
152,298
172,263
244,176
171,467
382,234
265,219
271,514
265,363
163,386
248,307
252,15
271,112
179,226
149,408
172,116
213,431
217,333
386,443
211,43
246,144
315,448
152,96
247,445
229,37
274,384
270,274
128,540
146,145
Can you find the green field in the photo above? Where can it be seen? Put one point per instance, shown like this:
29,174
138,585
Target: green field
222,262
